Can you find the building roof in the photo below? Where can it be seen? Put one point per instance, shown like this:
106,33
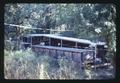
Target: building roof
62,38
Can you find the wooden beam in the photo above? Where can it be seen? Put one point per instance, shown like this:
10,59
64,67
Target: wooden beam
29,27
17,26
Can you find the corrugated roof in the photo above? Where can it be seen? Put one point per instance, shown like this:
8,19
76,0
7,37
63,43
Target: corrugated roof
62,38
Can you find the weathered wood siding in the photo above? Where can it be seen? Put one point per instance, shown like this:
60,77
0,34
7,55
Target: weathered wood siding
69,55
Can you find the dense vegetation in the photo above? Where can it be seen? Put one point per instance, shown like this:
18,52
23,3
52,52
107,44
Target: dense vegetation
28,65
95,22
88,21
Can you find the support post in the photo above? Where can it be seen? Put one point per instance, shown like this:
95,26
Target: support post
31,43
76,45
80,61
49,41
95,56
61,43
51,31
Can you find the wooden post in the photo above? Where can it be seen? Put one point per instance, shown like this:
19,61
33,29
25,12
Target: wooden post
31,42
76,45
49,41
51,31
61,43
83,59
95,56
80,61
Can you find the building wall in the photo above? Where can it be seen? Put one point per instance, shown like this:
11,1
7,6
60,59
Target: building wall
70,55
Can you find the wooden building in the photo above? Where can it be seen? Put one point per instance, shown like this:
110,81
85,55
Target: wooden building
71,47
57,41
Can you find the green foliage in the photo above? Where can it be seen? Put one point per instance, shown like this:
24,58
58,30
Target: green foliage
26,65
83,19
